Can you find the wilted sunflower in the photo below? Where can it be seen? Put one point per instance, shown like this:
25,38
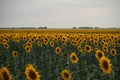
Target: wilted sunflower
57,50
51,43
5,74
66,75
31,73
14,54
105,65
99,54
113,52
73,57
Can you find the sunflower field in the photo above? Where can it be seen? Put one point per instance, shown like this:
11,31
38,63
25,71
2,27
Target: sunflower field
47,54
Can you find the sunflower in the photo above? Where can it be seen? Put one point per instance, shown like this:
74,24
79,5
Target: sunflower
79,48
63,42
105,49
105,44
31,73
88,48
23,45
5,74
113,45
39,44
6,45
45,42
51,43
57,50
99,54
27,49
73,57
29,44
7,39
83,52
23,38
66,75
113,52
33,40
17,39
73,42
14,54
95,43
105,65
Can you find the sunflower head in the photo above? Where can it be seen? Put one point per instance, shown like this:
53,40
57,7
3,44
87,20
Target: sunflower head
29,44
14,54
51,43
6,45
5,74
45,42
79,48
87,48
113,52
57,50
66,75
31,73
99,54
27,49
105,65
39,44
73,57
33,40
105,49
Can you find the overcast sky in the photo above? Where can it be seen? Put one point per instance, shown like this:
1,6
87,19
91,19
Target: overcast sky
60,13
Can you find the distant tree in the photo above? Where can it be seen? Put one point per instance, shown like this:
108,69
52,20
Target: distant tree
74,28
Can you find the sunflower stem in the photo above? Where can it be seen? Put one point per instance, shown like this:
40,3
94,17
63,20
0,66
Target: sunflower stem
113,75
7,61
50,64
88,75
34,58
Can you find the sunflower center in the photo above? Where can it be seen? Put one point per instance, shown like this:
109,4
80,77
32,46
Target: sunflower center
32,75
51,43
27,48
58,50
105,64
74,58
87,48
5,76
15,54
66,75
100,55
113,52
32,39
6,45
105,48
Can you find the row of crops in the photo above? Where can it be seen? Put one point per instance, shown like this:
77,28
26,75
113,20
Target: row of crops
59,55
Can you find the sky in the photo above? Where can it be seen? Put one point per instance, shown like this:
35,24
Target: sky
60,13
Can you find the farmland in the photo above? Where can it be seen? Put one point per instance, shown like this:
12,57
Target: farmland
59,54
